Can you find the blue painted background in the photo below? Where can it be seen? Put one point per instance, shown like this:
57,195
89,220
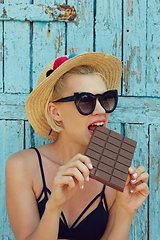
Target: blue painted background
130,30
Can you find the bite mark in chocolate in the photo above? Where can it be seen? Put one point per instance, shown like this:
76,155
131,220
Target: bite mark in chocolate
111,155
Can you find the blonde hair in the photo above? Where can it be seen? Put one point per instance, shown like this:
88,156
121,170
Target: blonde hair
60,87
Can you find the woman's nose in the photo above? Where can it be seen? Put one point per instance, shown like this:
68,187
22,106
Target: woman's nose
98,108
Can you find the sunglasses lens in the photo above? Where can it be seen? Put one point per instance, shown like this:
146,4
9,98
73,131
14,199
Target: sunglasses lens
86,104
109,101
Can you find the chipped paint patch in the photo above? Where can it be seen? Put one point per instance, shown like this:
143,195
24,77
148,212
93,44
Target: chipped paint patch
4,15
146,104
62,12
151,160
130,8
58,42
72,50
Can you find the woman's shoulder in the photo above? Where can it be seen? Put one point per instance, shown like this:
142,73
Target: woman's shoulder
21,162
22,157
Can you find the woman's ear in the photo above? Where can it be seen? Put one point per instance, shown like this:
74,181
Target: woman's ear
53,111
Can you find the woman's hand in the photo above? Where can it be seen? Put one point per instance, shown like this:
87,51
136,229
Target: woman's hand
69,178
135,191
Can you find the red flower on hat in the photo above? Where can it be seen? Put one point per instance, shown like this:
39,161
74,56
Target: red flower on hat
59,61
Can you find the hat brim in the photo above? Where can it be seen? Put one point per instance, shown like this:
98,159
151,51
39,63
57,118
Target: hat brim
109,66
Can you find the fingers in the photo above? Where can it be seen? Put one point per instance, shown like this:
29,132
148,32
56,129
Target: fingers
142,178
136,172
77,175
78,168
139,179
141,188
66,180
138,175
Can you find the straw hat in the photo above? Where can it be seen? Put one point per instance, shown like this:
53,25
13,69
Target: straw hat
109,66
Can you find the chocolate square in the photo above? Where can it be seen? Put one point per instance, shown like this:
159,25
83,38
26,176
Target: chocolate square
111,155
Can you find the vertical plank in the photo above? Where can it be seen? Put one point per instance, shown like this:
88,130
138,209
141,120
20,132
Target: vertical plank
16,54
16,57
108,27
48,44
80,35
153,48
139,133
11,141
1,56
32,139
154,182
134,47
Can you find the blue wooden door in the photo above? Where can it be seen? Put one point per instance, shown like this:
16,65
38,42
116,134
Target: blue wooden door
34,32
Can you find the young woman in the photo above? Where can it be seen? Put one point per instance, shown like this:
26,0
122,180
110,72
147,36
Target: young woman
49,194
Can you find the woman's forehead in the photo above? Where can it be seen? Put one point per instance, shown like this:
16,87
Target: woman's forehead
87,83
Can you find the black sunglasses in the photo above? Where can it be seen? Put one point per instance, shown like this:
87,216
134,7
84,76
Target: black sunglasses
85,102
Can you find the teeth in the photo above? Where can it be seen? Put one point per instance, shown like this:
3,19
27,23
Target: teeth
99,123
92,126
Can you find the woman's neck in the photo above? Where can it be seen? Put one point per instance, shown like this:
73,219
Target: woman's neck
66,150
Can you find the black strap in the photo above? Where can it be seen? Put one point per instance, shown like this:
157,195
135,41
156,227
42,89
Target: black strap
64,219
104,197
42,173
88,206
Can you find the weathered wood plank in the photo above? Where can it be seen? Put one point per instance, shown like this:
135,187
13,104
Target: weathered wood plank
153,48
16,57
1,57
108,27
137,110
16,1
11,141
32,139
48,43
139,133
80,35
33,12
134,47
55,2
154,182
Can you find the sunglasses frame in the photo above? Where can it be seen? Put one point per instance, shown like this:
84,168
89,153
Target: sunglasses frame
77,96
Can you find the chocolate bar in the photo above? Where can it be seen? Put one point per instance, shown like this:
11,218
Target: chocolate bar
111,155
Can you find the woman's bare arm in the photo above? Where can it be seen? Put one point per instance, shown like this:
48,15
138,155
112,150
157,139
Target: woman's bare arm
22,206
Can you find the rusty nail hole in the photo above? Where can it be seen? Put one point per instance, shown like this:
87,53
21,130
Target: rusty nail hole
49,27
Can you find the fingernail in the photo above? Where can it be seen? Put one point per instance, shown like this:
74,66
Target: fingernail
131,191
135,175
90,165
87,178
131,169
82,186
133,180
